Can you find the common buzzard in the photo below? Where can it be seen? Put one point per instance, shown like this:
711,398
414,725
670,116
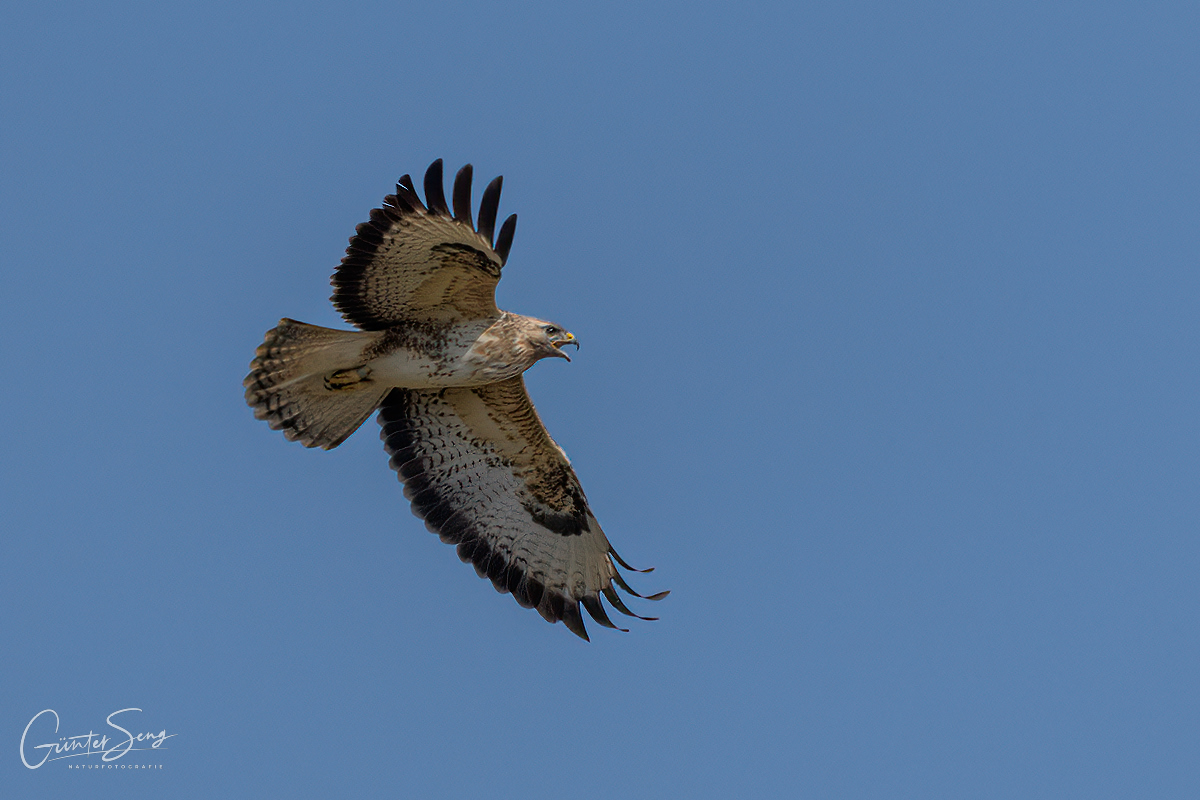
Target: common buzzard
443,366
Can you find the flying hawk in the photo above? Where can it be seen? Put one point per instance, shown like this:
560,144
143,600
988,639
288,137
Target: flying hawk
443,366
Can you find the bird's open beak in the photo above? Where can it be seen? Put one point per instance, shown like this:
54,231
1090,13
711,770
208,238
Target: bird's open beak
566,339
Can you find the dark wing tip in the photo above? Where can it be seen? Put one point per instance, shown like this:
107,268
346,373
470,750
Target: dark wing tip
505,239
615,599
596,609
622,562
574,620
462,195
435,202
621,582
617,579
488,207
435,192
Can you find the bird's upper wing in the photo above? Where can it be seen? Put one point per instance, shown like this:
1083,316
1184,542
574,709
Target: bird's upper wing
415,262
481,470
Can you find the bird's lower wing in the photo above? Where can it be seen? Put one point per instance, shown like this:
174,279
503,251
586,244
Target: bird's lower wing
481,470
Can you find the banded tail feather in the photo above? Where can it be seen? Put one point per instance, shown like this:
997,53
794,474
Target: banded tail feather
310,383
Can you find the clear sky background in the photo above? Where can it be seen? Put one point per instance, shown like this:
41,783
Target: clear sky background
889,366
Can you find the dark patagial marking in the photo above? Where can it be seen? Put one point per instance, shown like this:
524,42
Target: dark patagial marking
465,254
567,523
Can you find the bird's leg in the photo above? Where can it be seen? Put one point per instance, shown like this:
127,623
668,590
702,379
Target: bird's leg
347,378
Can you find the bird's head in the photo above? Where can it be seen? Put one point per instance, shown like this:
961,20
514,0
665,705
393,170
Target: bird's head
548,339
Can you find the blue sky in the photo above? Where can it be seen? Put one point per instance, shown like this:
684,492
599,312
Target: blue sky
889,366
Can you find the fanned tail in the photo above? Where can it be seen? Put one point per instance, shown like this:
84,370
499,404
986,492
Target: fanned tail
310,382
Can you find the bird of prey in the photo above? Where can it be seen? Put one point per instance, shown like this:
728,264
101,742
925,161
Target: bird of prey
443,366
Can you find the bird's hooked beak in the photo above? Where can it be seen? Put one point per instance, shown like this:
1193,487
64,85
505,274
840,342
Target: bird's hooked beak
561,340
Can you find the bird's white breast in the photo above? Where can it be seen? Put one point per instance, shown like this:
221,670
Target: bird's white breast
462,356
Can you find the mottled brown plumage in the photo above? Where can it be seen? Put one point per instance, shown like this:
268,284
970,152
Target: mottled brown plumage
443,365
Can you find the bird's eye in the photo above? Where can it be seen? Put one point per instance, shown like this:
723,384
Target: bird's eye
551,330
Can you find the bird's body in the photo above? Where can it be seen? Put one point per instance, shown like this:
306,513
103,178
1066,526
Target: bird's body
443,365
